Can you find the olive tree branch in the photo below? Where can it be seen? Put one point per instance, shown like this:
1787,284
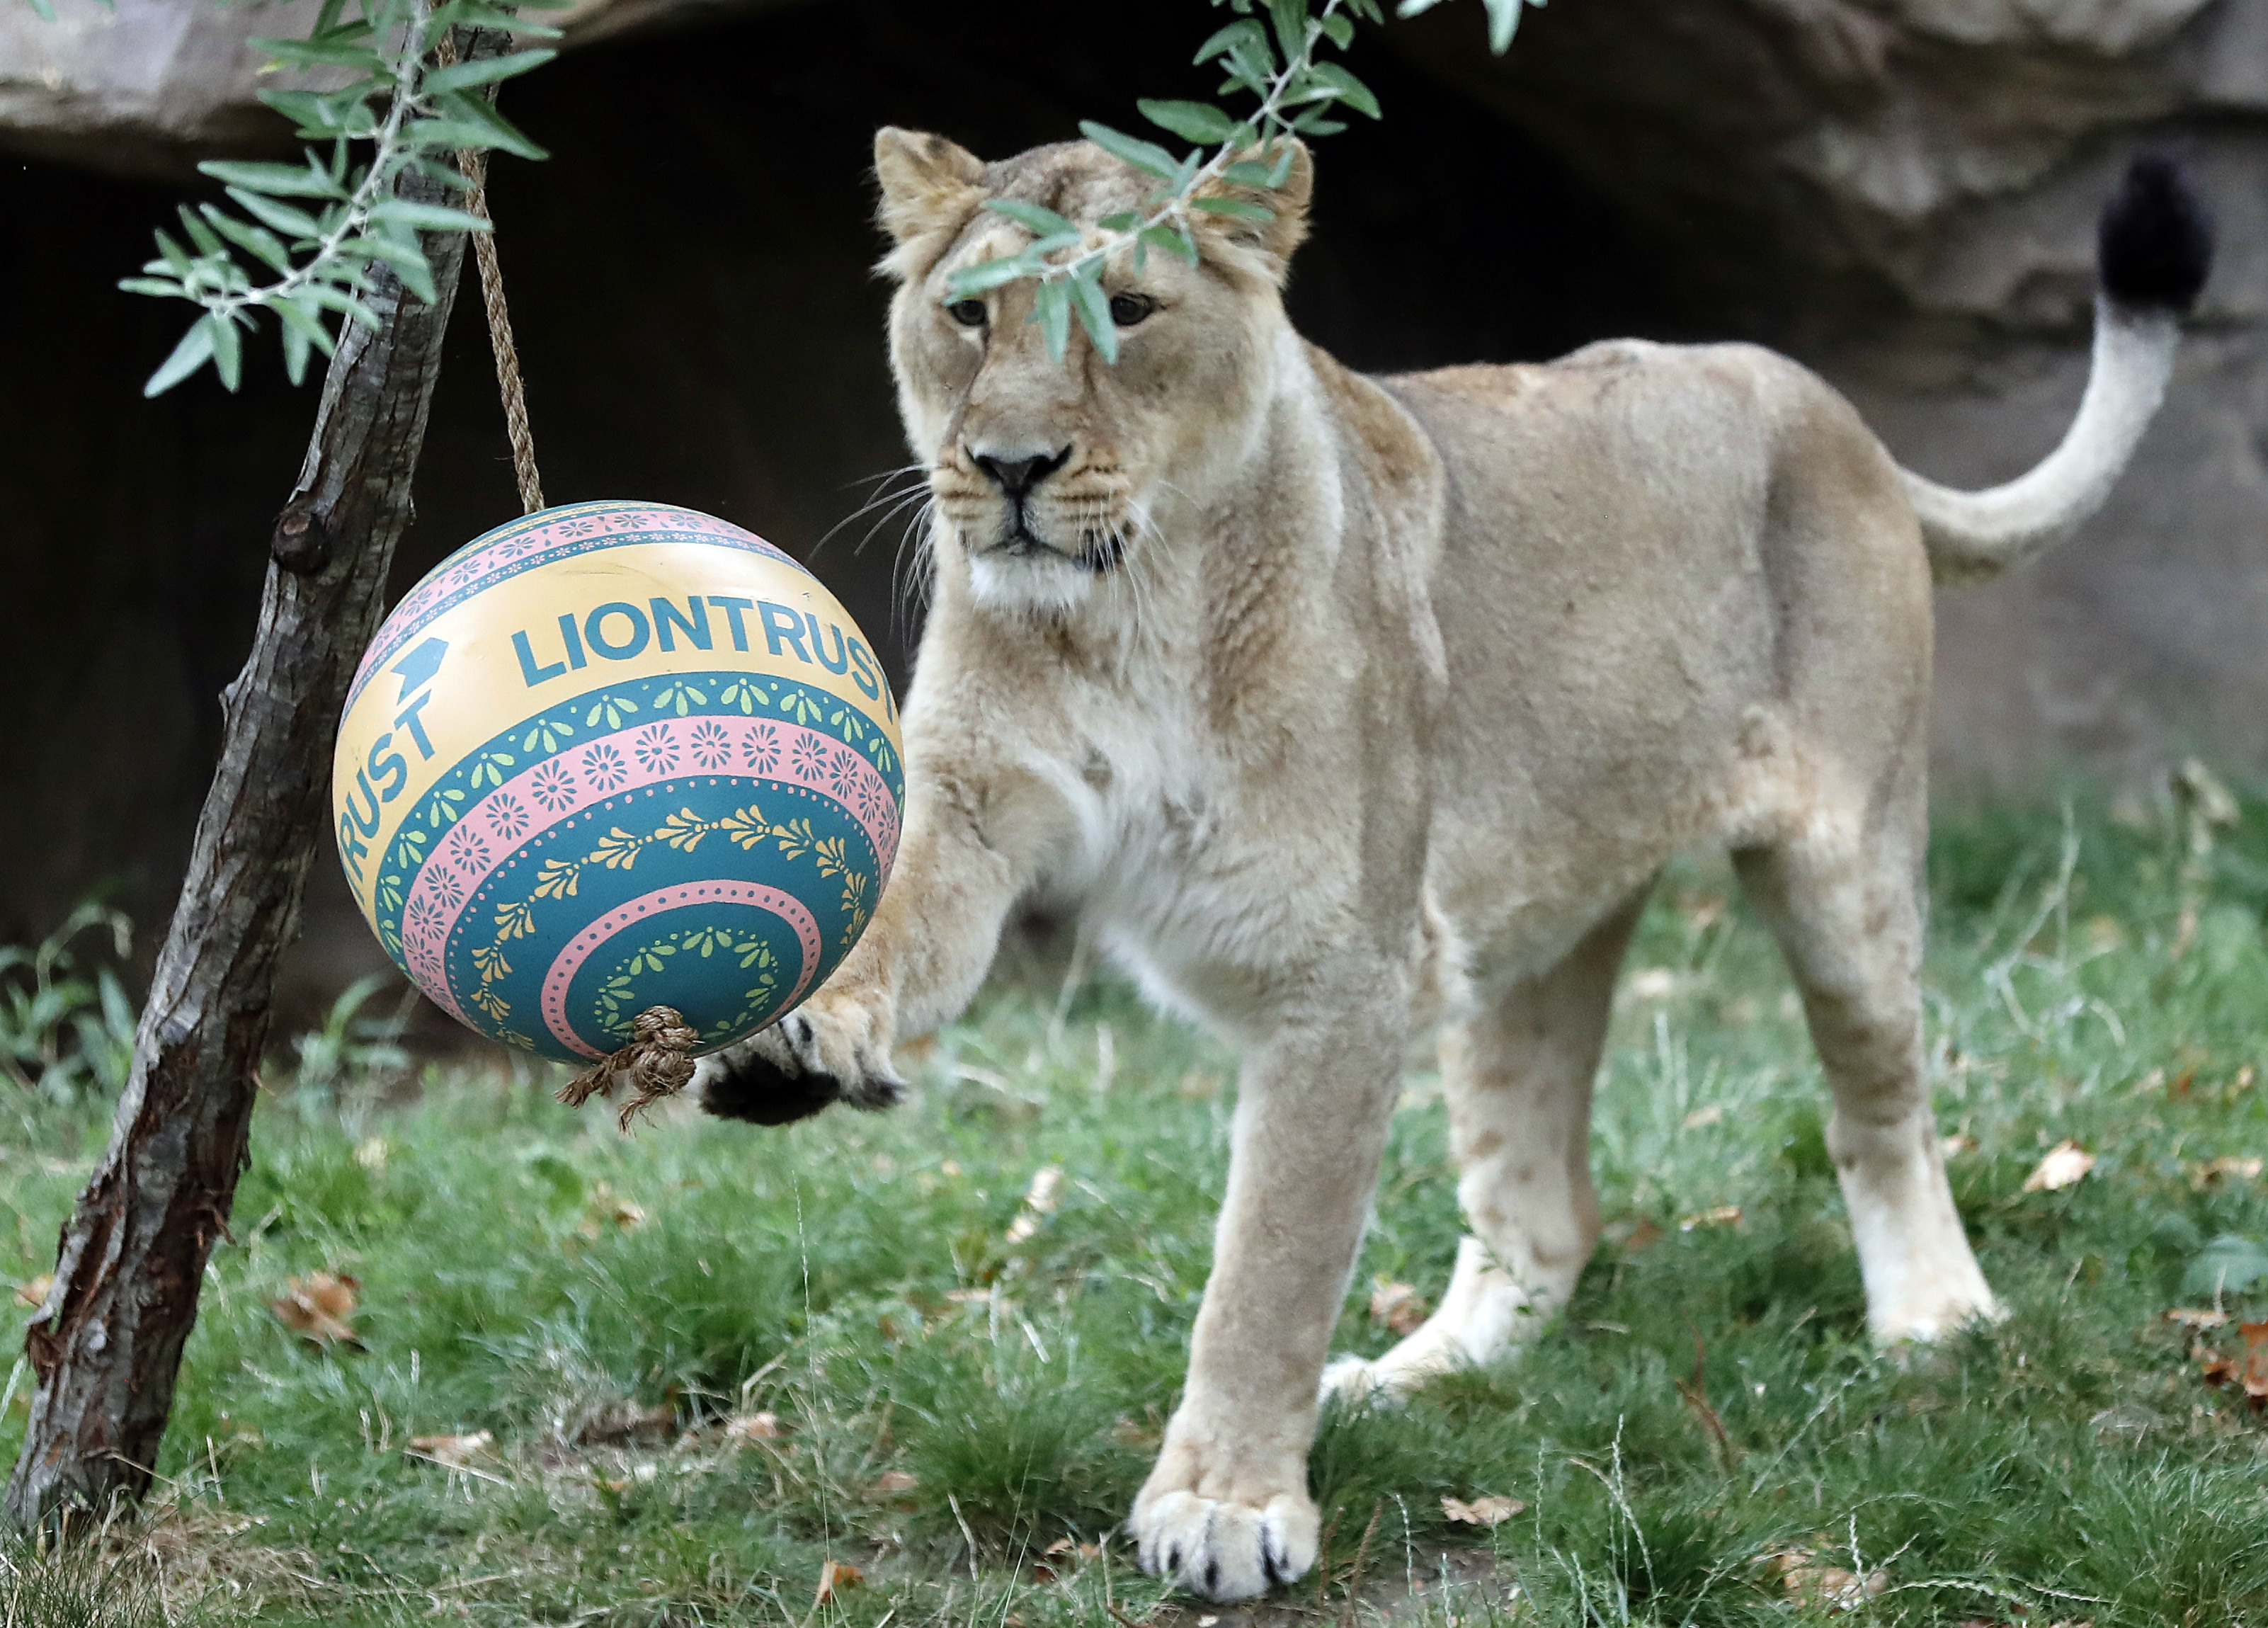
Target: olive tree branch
321,260
1067,262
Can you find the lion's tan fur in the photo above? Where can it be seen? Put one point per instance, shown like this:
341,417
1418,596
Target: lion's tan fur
1338,704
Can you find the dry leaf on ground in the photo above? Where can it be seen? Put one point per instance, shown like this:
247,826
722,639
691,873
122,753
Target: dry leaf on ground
1723,1215
2250,1372
835,1578
1064,1551
626,1421
1490,1511
608,1208
35,1293
2197,1316
764,1426
320,1307
1806,1578
450,1452
2223,1172
1396,1305
2066,1163
1648,1232
893,1483
1038,1202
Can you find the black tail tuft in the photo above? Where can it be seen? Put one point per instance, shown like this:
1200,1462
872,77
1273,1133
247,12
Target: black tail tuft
2153,245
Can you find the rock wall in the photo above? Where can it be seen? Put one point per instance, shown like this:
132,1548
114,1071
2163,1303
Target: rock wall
690,279
1901,191
1904,192
147,87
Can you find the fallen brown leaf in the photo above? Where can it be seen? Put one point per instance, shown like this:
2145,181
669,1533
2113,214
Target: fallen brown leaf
2065,1164
1646,1233
2225,1171
892,1483
1127,1434
836,1577
1396,1305
2197,1316
626,1421
452,1452
2249,1373
35,1293
1490,1511
1809,1579
2255,1376
608,1208
1723,1215
764,1426
320,1307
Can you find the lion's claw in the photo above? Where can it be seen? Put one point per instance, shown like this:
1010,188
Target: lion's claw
1222,1549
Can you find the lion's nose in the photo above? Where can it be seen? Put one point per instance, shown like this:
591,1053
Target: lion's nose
1016,476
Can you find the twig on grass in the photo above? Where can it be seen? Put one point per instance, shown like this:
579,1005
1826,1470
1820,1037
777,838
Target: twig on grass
966,1535
1361,1561
1696,1392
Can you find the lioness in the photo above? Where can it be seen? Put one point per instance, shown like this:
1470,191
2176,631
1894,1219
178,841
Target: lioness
1339,705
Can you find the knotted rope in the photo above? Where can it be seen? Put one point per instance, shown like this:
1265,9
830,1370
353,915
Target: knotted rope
659,1058
658,1061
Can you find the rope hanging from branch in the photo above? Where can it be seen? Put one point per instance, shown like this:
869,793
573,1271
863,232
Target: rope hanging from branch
475,167
658,1059
507,354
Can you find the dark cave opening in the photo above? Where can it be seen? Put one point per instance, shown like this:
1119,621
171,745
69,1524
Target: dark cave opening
690,279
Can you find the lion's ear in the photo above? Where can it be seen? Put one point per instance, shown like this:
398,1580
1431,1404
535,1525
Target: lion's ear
927,181
1277,237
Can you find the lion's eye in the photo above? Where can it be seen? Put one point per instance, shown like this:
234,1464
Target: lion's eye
968,313
1128,309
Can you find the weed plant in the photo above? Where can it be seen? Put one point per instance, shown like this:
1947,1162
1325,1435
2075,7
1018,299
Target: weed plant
669,1379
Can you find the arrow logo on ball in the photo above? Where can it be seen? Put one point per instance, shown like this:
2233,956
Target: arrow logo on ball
420,665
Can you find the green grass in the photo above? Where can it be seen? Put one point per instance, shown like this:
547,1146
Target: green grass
866,1280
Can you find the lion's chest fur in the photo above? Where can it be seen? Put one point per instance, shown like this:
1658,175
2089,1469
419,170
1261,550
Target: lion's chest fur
1201,858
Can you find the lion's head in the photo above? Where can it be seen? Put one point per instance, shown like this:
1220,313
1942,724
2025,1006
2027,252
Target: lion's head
1048,474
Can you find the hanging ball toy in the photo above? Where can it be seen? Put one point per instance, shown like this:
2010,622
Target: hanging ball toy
618,782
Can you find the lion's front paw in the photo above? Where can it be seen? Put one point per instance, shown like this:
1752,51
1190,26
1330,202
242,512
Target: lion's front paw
1356,1381
795,1068
1223,1547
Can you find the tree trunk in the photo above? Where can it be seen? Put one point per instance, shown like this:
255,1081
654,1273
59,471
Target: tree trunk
106,1345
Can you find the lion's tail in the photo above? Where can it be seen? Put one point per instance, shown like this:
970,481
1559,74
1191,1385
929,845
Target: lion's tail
2154,248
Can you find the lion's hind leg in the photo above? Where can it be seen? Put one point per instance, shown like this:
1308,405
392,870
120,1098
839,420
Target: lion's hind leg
1518,1076
1842,901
